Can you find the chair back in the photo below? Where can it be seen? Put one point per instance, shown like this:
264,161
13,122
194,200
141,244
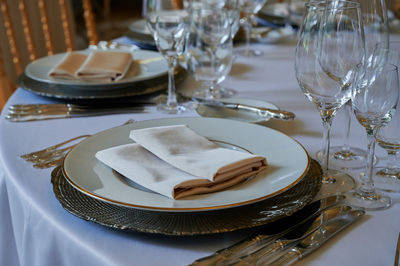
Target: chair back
36,28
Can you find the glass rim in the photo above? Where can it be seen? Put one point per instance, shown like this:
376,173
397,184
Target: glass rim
320,5
388,66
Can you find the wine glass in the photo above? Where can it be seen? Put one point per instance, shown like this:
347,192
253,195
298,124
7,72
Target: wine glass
209,50
374,101
249,8
375,20
167,24
388,137
330,45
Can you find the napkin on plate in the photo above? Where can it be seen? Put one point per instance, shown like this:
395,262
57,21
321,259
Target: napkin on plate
98,65
177,162
68,66
105,65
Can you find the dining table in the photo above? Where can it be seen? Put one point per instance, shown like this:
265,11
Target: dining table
36,230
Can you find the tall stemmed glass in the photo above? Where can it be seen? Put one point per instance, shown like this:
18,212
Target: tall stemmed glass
387,177
166,22
249,8
375,20
373,102
209,50
330,45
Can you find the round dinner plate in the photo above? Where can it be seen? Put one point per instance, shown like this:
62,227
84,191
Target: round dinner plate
288,163
146,65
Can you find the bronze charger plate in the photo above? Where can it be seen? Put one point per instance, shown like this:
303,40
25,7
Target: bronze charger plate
188,223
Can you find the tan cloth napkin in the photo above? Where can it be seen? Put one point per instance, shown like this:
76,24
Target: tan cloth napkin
177,162
108,65
68,66
98,65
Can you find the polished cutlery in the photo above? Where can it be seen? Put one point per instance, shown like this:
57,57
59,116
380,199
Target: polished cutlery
262,111
34,112
256,242
337,220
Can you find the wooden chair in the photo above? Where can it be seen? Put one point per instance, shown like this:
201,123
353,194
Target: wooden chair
32,35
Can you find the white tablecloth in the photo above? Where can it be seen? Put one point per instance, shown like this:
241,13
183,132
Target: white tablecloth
36,230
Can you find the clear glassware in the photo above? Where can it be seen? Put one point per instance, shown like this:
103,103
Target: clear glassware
374,16
387,177
374,101
330,45
167,24
209,50
249,8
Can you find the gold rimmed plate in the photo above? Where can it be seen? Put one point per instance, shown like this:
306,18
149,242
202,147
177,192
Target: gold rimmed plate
288,164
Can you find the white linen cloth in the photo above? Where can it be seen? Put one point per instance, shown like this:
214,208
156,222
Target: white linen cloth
97,65
177,162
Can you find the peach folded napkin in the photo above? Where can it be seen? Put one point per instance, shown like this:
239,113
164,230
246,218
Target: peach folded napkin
177,162
98,65
69,66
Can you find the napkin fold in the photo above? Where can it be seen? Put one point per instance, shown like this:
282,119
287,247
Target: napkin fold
177,162
98,65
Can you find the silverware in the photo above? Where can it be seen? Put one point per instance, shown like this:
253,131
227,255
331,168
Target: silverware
262,111
54,155
338,219
34,112
254,243
396,257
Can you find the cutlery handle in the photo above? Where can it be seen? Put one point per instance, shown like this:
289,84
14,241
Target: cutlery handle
276,114
287,258
242,248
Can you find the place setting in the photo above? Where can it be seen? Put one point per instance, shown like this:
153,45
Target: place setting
192,156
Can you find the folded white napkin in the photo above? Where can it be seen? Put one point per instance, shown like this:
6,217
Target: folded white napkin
98,65
177,162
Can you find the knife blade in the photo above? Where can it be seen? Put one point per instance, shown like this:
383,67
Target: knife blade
262,111
336,221
263,237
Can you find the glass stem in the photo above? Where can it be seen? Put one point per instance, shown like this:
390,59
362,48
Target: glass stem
171,100
367,185
348,111
326,123
248,27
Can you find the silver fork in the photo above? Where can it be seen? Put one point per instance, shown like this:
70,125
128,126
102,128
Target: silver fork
53,155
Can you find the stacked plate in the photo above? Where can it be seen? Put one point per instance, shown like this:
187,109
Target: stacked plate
92,191
147,75
140,35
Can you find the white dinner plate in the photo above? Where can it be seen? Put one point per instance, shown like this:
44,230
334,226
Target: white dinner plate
288,163
147,65
236,114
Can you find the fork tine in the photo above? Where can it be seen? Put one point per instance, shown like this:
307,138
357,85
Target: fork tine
51,148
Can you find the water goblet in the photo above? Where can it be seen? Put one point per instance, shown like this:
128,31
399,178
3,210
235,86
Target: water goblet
330,45
249,9
387,177
375,20
373,101
209,50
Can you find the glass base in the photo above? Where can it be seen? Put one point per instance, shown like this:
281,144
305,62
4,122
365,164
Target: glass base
339,159
369,201
387,179
335,182
218,93
248,52
171,109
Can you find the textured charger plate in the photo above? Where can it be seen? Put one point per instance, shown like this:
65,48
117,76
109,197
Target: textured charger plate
73,92
193,223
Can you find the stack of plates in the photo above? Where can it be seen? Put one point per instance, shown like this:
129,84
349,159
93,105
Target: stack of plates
140,35
91,190
147,75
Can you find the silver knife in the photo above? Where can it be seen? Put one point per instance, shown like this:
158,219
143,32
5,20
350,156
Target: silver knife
254,243
262,111
336,222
